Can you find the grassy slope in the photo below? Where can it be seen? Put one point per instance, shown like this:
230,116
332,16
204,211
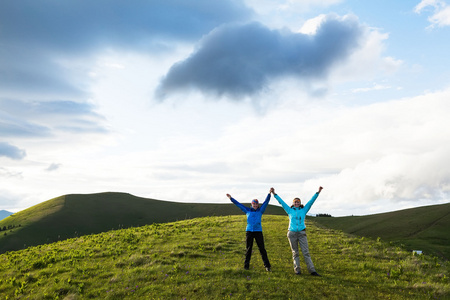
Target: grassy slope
422,228
203,258
75,215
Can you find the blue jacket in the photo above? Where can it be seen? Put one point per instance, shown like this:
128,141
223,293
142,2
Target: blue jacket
253,216
297,215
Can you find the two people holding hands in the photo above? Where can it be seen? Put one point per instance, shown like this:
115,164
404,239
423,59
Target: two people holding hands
296,231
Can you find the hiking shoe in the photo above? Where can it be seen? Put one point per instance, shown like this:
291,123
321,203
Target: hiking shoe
315,274
268,269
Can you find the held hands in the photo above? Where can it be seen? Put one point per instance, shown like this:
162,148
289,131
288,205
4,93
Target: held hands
272,190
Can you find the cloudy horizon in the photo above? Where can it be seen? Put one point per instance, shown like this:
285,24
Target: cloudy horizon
187,102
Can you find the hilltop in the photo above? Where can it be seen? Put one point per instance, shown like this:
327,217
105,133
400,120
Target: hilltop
202,258
75,215
424,228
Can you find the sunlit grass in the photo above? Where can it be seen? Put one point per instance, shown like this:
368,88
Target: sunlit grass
203,259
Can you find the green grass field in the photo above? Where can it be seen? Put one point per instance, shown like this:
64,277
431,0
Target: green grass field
202,258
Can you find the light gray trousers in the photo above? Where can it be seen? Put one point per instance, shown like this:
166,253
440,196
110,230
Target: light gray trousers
296,238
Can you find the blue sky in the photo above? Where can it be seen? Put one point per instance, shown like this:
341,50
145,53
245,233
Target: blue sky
188,101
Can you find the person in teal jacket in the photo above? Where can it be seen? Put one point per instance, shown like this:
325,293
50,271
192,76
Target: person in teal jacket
297,230
254,229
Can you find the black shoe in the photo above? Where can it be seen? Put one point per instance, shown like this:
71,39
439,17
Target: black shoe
315,274
298,273
246,268
268,269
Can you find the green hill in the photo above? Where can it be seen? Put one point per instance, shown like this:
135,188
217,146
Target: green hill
423,228
203,258
75,215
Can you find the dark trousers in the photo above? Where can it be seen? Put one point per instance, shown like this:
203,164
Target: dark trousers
258,236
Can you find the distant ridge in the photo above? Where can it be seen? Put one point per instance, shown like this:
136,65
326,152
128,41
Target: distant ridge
82,214
4,214
424,228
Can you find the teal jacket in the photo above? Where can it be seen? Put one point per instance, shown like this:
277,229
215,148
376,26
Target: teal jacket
297,215
253,216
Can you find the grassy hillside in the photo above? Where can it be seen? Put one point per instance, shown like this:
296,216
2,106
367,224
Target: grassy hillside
203,259
423,228
75,215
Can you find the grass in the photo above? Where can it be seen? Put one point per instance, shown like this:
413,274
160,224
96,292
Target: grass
202,258
423,228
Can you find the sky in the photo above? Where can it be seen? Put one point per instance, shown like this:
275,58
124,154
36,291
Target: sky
187,101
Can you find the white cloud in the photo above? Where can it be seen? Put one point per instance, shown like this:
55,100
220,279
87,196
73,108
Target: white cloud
311,25
368,61
390,152
298,7
441,12
400,147
374,87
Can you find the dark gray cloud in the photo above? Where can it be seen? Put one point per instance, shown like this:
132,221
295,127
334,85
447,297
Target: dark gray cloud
240,60
34,119
11,151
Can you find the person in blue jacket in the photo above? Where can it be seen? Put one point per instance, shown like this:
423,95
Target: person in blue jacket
297,230
254,229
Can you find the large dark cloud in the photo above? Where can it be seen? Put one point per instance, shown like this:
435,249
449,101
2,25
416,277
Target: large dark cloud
240,60
11,151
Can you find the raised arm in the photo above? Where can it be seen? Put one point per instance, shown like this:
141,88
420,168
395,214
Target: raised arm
313,199
283,204
266,202
242,207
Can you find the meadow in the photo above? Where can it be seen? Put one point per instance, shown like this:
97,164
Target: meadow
202,258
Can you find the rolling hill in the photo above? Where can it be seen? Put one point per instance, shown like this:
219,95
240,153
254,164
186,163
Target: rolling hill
424,228
82,214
